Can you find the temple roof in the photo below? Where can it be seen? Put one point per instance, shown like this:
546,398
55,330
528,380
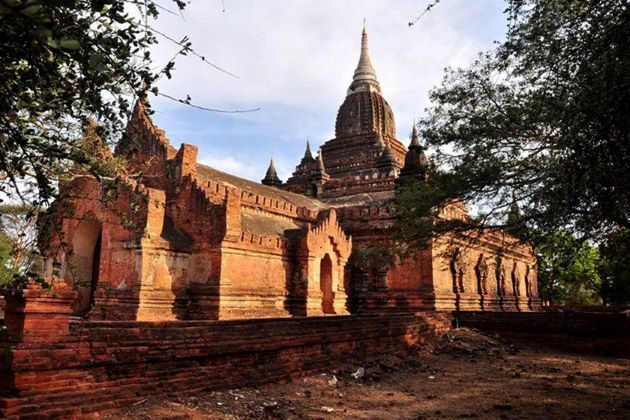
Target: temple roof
371,198
212,174
266,225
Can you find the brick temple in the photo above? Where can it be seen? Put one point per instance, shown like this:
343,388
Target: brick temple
202,244
183,278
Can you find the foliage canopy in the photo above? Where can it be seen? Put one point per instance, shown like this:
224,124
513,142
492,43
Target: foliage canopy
64,63
542,121
535,136
568,270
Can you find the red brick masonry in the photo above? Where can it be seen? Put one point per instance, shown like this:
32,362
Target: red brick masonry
66,368
583,331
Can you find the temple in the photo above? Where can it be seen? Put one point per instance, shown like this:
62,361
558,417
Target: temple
183,241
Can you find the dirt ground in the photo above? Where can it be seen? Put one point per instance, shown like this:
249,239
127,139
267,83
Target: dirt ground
463,375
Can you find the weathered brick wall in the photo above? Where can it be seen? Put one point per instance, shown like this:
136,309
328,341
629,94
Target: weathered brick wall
101,365
608,332
589,308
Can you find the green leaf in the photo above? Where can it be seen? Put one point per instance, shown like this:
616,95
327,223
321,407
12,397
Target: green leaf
32,10
70,44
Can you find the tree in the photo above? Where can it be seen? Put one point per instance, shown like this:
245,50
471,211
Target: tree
64,63
6,248
615,269
542,121
568,270
18,242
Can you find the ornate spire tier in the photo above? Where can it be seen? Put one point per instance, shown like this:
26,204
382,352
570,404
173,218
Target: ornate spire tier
365,156
364,79
308,156
271,177
365,110
320,162
415,138
416,163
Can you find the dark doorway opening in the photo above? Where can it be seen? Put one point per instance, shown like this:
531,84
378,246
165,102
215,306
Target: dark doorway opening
325,282
85,262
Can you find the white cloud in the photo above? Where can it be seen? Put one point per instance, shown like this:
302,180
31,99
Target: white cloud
229,164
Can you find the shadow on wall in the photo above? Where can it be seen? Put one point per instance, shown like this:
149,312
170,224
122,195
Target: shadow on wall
2,306
356,280
203,301
296,281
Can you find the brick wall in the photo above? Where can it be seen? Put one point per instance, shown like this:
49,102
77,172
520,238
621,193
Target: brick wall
584,331
102,365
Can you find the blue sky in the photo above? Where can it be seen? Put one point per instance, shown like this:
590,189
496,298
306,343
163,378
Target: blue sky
295,60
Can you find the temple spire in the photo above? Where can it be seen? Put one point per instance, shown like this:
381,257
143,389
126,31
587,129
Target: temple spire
387,158
320,162
416,164
141,110
514,214
308,155
364,76
415,138
271,177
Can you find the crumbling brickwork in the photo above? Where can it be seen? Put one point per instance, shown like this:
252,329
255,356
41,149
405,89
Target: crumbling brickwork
55,366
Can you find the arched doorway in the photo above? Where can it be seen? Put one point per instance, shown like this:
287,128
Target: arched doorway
325,282
85,261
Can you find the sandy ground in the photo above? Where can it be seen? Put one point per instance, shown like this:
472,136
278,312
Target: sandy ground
463,375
